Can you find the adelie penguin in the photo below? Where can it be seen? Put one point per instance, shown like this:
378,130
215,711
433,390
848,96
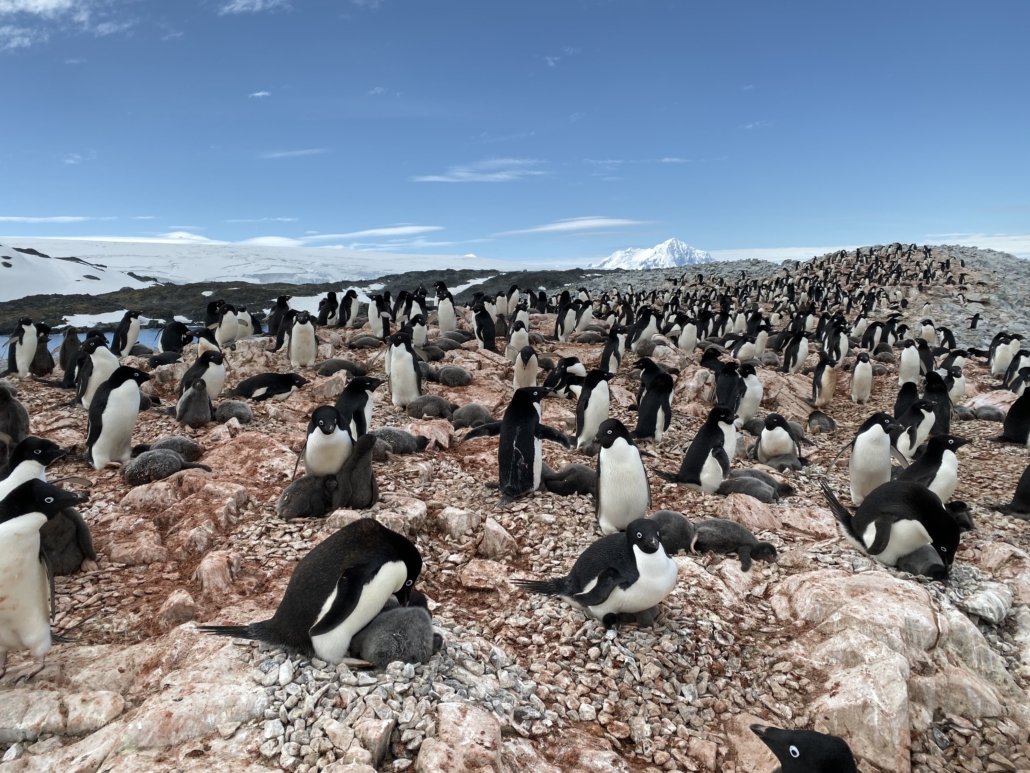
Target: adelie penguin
126,334
268,386
824,382
518,339
896,519
246,324
729,388
356,403
174,337
485,329
655,412
777,439
592,407
614,349
526,368
913,428
623,491
112,418
937,468
348,309
753,393
936,391
14,418
861,379
303,347
796,353
28,461
621,574
21,348
70,347
210,366
27,604
275,318
1016,427
336,590
870,464
228,326
328,443
95,369
519,452
405,373
1019,507
707,460
806,751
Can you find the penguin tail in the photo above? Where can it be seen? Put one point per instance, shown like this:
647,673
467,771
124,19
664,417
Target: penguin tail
545,587
669,476
841,513
252,631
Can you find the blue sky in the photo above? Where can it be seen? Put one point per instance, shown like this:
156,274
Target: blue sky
520,130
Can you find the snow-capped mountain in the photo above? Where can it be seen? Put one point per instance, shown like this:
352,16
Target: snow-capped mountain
670,254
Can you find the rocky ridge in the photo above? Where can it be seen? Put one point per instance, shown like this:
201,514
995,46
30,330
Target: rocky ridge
916,675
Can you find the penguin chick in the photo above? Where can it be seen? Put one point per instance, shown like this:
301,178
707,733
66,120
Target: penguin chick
156,464
398,633
194,407
722,536
677,530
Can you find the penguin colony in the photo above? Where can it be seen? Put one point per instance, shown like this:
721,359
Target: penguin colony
349,596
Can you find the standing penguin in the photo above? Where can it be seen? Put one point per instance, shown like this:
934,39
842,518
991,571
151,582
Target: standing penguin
356,403
862,379
621,574
937,468
796,353
28,461
303,341
228,327
824,382
194,406
14,418
174,337
69,348
245,326
43,361
623,491
518,339
805,751
614,349
275,318
21,349
592,407
96,368
209,366
655,413
707,460
329,310
348,309
776,439
484,328
126,334
405,373
519,453
898,518
27,604
526,368
729,389
936,391
870,464
336,590
914,427
753,394
909,363
328,443
112,418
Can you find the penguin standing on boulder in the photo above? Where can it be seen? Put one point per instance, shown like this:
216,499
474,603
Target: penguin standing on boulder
336,590
275,318
27,604
623,491
174,336
112,418
621,574
126,334
21,348
519,453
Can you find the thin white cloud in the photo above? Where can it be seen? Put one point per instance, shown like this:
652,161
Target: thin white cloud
57,219
552,61
260,94
1015,244
44,8
73,159
143,217
367,3
757,125
265,220
74,61
371,233
188,237
494,170
377,90
294,153
272,241
577,117
572,225
252,6
749,87
570,51
13,38
111,27
675,160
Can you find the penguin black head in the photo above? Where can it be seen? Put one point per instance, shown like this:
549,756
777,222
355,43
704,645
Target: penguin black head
91,344
37,496
775,421
400,339
805,751
610,431
207,335
124,373
534,393
863,357
947,442
364,384
326,419
883,420
298,380
935,383
722,415
211,356
747,370
302,318
595,377
35,449
282,300
908,343
526,353
644,533
729,369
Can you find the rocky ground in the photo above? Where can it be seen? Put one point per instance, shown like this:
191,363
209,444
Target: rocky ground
915,675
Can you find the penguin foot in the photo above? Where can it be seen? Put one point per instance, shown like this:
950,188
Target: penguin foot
23,673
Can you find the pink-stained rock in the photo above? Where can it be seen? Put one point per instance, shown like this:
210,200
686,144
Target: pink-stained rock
90,711
27,714
816,521
497,542
455,522
481,574
178,608
751,753
1001,399
748,512
216,572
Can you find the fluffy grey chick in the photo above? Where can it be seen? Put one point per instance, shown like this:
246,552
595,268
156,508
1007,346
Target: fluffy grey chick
156,465
398,633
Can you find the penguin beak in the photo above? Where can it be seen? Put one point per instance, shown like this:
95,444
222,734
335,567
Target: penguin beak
656,543
403,595
759,730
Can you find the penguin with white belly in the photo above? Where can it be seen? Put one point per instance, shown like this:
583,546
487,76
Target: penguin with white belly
21,348
753,394
357,402
96,368
336,590
896,519
27,603
526,368
112,418
621,574
870,464
592,407
862,379
623,491
209,366
937,468
328,443
707,460
303,346
405,373
126,334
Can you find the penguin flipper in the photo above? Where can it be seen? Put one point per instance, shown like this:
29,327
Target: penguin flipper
899,457
840,453
348,593
49,569
484,430
607,581
550,433
723,459
883,537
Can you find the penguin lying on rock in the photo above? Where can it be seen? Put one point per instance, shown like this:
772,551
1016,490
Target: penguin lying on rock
721,536
156,464
337,589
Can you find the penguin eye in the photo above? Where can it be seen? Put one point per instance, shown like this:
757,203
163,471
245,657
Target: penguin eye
49,500
36,451
639,535
944,549
794,752
409,583
609,432
320,422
